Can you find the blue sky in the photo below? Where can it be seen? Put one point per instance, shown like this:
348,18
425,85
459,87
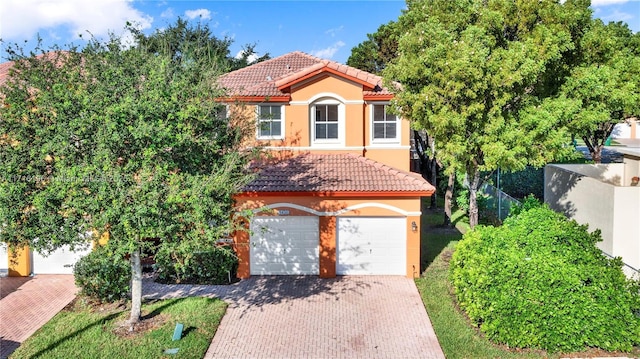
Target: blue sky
328,29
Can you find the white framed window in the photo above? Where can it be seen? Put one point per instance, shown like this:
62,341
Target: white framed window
327,122
385,126
270,122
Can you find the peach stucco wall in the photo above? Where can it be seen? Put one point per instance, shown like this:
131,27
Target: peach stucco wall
357,126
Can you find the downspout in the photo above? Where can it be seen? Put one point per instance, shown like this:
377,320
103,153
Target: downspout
364,129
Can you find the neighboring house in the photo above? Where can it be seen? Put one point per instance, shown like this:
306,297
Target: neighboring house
336,196
604,196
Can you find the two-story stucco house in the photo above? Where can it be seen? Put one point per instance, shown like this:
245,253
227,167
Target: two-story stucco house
337,196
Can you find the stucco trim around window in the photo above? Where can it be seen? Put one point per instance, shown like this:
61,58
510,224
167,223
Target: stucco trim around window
381,124
327,121
274,120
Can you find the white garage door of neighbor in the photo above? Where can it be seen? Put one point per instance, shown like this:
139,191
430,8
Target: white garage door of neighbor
4,259
284,245
372,245
60,261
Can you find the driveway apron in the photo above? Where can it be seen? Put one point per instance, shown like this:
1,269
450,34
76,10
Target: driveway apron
27,303
309,317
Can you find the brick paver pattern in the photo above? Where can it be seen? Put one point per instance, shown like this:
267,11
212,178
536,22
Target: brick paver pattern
309,317
27,303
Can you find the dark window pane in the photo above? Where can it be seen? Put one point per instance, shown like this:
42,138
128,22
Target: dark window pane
275,128
391,117
265,128
275,112
332,131
332,113
321,131
321,113
378,113
378,130
390,130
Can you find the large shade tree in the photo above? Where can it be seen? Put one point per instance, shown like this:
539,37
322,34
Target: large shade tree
373,55
604,89
116,140
473,74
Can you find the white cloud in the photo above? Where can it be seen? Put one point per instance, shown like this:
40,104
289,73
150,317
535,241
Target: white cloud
22,19
250,59
617,16
329,51
334,31
167,13
596,3
204,14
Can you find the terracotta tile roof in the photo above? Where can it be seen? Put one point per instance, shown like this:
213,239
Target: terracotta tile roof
6,66
4,71
267,78
335,173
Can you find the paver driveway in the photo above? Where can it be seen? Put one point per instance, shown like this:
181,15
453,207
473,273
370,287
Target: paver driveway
309,317
27,303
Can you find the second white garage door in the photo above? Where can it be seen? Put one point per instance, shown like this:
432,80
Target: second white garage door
284,245
372,245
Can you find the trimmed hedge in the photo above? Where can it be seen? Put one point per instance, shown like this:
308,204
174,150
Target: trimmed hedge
185,264
103,275
539,281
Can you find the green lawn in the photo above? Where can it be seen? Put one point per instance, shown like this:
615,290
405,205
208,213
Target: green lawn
88,332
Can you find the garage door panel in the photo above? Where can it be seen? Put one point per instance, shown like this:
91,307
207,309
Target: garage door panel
371,245
284,245
60,261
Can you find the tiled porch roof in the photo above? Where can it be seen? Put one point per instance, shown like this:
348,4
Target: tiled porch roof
331,173
269,77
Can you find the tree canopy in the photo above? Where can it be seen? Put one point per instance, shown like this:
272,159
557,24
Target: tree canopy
473,74
604,88
373,54
124,141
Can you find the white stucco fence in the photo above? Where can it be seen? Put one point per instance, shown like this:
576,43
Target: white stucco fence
601,197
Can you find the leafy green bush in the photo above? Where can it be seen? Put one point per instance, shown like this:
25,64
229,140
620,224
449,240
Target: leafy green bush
539,281
103,275
184,264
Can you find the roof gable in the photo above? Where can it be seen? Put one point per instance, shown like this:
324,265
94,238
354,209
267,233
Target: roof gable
274,77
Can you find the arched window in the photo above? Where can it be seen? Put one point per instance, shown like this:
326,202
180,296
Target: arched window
327,122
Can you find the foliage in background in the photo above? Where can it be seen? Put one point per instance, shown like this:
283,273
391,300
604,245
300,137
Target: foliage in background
604,88
520,184
185,43
539,281
184,263
103,275
473,75
373,54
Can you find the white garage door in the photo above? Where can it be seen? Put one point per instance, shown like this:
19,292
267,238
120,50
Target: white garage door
4,259
372,245
284,245
60,261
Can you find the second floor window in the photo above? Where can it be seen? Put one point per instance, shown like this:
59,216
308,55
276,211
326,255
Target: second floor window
385,124
269,121
326,122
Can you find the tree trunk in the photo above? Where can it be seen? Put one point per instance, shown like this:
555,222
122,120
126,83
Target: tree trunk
434,173
448,199
596,154
473,197
136,287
